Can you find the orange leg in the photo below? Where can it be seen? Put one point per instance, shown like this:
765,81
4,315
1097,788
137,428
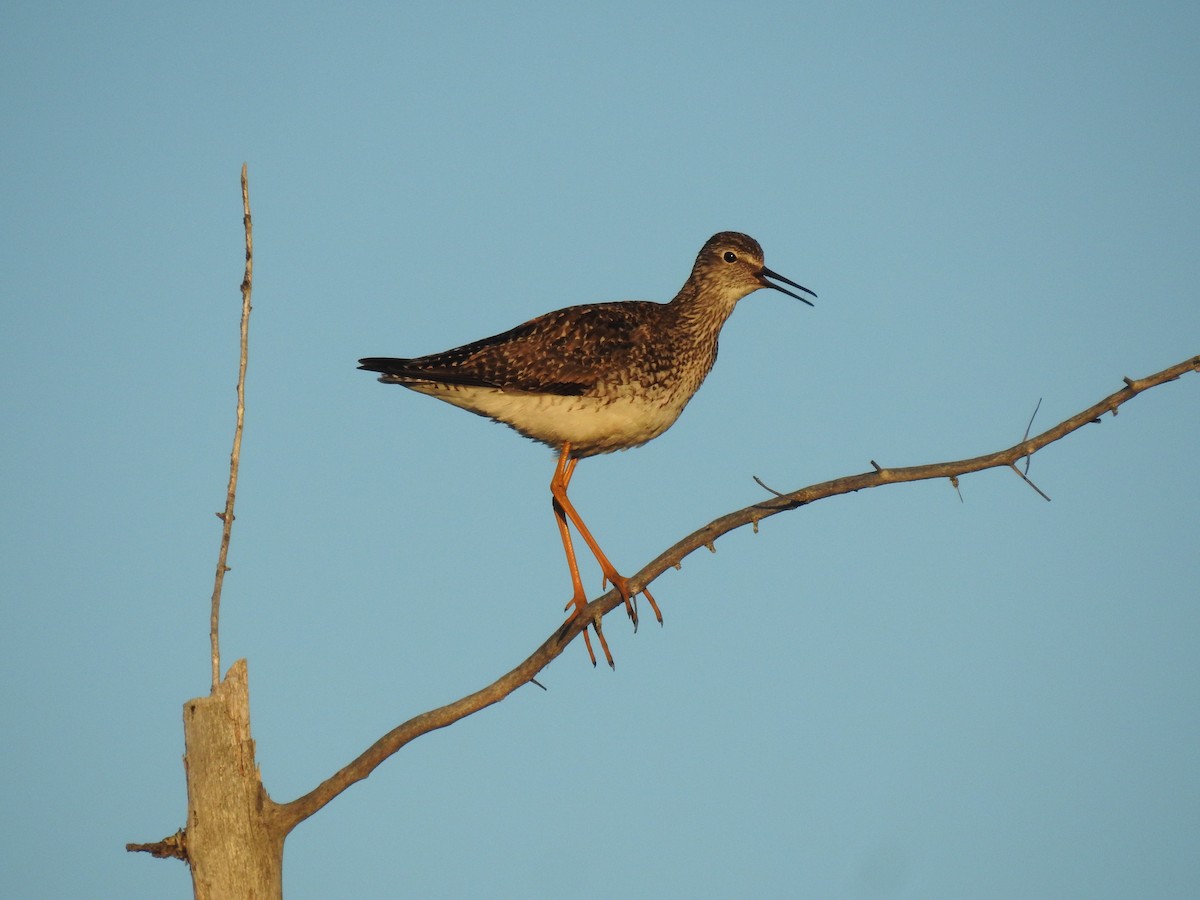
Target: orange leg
563,510
579,598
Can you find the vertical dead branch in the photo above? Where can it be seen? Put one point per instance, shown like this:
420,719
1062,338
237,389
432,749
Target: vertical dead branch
234,457
233,841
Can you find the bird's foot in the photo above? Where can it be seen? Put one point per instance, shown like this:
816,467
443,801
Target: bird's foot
579,603
630,597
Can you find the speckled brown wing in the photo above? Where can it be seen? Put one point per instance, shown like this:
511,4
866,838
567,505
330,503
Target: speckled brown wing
563,352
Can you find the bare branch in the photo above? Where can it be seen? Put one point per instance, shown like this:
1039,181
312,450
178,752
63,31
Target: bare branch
234,457
291,814
173,847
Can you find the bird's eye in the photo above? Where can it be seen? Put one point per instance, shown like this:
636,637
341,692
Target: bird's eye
730,256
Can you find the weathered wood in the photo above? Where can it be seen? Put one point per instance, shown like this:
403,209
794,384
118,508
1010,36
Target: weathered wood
234,842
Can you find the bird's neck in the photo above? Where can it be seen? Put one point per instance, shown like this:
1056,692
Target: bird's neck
702,310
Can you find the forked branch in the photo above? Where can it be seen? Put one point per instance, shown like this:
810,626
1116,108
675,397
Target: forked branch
290,814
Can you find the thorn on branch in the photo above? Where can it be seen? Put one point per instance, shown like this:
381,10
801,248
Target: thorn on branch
876,466
1025,437
1128,381
712,548
954,482
766,487
1021,475
792,503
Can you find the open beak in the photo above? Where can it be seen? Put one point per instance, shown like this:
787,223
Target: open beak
764,273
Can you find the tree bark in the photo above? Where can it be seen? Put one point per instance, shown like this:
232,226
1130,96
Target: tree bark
234,842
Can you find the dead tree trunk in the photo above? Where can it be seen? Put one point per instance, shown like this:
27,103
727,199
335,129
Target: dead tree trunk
234,843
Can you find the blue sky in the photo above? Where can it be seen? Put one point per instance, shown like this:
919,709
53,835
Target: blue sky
889,694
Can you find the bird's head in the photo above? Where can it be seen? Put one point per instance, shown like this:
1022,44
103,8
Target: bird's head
731,263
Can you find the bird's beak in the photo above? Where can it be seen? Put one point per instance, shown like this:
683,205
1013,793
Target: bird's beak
764,273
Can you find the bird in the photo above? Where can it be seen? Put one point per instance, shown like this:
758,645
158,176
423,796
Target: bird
596,378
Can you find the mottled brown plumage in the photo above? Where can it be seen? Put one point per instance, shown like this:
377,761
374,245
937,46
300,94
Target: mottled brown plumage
596,378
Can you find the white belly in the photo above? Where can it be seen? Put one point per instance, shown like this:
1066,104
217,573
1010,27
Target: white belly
589,424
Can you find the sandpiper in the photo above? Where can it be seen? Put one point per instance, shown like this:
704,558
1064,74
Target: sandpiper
596,378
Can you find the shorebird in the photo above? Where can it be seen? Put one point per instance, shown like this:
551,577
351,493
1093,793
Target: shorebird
596,378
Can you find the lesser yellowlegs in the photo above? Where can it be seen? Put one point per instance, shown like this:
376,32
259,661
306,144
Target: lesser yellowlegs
597,378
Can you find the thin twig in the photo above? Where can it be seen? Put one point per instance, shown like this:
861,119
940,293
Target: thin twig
234,457
292,813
